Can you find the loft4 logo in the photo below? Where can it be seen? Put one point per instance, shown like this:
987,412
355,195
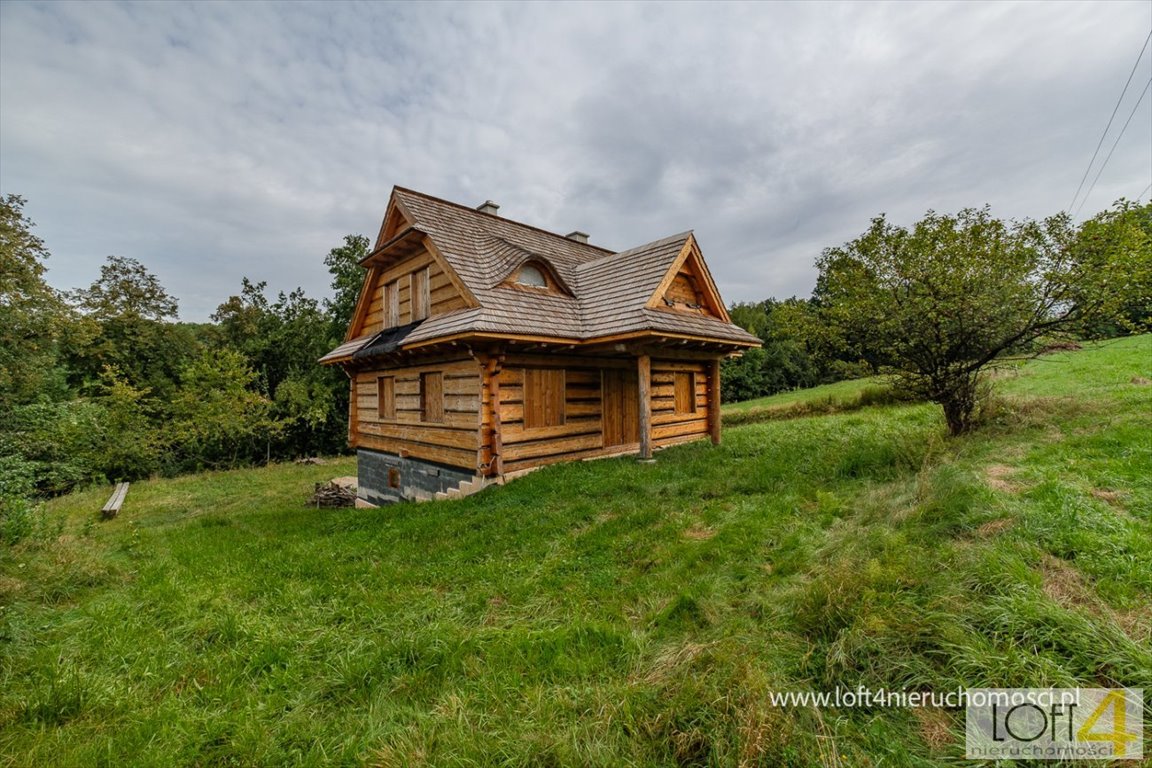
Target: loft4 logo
1115,731
1055,723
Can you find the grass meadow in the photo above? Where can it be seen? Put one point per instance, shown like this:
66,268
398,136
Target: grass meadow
606,613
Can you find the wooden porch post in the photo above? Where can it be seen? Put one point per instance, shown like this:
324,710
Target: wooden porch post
353,410
494,400
491,413
714,418
644,375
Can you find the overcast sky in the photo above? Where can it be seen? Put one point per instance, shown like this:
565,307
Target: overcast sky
213,141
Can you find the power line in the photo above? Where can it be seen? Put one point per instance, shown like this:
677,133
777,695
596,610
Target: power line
1104,165
1110,119
1140,196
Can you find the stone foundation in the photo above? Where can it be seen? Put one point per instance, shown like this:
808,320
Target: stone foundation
385,478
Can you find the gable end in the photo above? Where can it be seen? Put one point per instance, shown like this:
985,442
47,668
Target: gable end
688,286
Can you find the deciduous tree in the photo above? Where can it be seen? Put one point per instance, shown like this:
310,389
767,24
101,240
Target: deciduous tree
32,314
938,303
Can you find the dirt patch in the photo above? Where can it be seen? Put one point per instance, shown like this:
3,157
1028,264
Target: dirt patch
699,534
10,586
664,665
997,476
1140,381
1070,589
993,527
1112,497
935,727
1067,587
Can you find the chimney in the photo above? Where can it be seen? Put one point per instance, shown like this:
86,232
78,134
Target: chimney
488,207
578,236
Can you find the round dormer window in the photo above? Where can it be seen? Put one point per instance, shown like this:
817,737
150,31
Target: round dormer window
531,275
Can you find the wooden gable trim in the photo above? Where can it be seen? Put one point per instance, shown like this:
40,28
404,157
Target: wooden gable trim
380,255
362,303
395,220
454,278
691,255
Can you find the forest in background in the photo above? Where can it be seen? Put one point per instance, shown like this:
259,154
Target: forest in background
103,383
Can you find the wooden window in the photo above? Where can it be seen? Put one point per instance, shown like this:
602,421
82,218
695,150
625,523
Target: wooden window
420,298
432,397
385,397
685,382
391,305
543,397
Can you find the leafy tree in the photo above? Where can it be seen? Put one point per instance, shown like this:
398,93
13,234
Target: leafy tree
128,314
343,263
793,354
940,302
282,341
135,440
1124,228
752,316
61,444
126,290
32,314
218,418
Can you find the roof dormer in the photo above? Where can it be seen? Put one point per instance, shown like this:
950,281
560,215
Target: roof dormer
536,275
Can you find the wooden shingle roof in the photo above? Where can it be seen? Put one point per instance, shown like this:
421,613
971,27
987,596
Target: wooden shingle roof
610,290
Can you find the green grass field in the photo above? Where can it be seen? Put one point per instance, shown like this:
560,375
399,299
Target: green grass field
605,613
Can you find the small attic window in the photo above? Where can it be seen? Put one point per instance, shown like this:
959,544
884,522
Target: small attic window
531,275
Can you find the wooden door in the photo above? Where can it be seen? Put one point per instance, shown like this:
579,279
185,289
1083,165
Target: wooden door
621,407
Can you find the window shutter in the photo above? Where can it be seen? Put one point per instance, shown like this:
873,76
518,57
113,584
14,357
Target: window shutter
432,397
544,397
391,305
685,384
420,297
385,397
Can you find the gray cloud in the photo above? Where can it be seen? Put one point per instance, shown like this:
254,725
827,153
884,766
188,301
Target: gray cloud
214,141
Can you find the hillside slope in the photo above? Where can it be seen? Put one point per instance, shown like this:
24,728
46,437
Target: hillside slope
604,613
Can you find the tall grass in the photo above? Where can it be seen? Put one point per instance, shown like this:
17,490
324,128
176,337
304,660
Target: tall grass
603,613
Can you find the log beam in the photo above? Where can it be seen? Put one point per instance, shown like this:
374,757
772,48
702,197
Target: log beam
714,417
353,411
644,378
493,365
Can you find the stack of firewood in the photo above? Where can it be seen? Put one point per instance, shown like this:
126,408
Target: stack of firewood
332,495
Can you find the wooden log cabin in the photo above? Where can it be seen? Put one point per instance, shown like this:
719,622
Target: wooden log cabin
481,347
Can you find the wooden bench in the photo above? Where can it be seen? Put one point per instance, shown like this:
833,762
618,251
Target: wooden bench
111,509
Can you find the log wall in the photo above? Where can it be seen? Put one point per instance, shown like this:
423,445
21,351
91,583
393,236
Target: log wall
444,296
668,426
454,441
582,433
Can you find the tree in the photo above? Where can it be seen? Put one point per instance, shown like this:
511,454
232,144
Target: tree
127,313
282,340
939,303
32,314
134,444
218,418
126,290
343,263
1126,227
793,354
